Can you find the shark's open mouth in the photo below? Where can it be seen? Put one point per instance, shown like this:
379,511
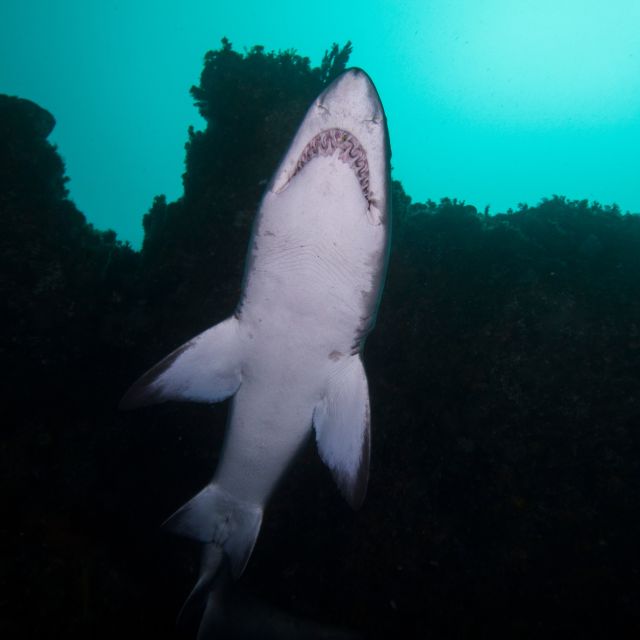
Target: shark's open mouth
351,152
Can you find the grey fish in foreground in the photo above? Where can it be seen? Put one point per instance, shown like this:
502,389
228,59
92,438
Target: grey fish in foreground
291,354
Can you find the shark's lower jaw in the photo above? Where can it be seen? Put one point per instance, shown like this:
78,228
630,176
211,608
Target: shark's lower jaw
351,152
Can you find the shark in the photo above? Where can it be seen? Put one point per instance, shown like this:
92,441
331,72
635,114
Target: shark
290,356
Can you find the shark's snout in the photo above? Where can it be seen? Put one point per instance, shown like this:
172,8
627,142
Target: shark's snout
353,91
348,119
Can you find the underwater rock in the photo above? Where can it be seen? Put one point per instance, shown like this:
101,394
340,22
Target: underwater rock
21,117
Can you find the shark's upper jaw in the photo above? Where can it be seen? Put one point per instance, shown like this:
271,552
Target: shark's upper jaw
350,151
347,119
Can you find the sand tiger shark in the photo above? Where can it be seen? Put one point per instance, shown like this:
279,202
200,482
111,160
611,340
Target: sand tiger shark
290,355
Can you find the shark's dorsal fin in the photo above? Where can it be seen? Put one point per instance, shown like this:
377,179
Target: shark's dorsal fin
205,369
341,421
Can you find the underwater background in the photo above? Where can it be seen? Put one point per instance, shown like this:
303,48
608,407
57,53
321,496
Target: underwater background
504,371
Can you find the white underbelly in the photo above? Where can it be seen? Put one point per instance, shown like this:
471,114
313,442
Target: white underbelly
266,429
311,289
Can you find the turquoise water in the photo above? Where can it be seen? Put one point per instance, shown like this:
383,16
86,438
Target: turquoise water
495,102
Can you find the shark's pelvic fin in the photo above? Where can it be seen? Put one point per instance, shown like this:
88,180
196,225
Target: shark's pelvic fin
215,516
341,421
205,369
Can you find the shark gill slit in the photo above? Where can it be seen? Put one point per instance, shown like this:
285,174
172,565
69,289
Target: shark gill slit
351,152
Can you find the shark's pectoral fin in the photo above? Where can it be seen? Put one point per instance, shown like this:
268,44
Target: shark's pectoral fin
341,421
205,369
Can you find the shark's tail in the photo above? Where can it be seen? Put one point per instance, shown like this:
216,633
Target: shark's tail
215,516
205,602
228,527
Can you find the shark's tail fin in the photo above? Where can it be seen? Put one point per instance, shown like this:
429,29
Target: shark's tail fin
209,590
215,516
228,528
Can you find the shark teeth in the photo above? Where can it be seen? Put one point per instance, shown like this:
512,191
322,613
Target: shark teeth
350,151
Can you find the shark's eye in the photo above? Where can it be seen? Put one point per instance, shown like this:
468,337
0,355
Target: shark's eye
322,108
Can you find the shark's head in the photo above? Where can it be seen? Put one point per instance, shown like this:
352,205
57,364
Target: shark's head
347,119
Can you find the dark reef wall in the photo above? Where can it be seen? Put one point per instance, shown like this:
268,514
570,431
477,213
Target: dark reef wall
59,277
505,381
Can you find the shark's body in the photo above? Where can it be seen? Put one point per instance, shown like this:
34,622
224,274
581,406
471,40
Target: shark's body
290,355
